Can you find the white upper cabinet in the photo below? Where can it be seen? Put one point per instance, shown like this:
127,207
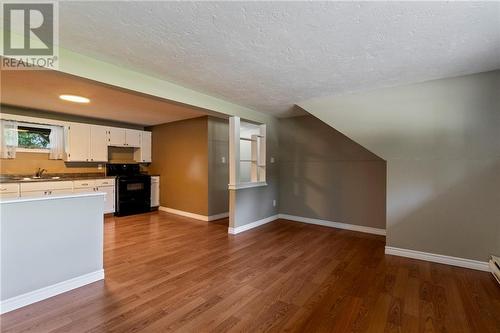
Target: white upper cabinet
122,137
145,151
116,136
98,143
78,143
86,143
133,138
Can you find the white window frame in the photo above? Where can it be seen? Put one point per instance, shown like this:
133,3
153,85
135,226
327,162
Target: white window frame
258,156
33,121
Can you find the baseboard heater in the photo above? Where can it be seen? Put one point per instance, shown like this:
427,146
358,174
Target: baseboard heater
495,267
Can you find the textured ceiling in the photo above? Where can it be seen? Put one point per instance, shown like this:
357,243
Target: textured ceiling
271,55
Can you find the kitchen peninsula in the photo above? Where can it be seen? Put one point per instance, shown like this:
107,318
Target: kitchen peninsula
49,245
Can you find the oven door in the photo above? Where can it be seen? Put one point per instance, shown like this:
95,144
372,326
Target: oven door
133,195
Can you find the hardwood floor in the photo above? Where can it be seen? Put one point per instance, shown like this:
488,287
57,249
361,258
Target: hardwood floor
168,273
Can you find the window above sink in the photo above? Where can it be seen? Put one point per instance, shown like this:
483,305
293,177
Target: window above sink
33,138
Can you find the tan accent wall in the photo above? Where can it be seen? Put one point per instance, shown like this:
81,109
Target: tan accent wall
180,157
121,155
27,163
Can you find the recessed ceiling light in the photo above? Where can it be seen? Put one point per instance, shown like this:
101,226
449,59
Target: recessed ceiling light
74,98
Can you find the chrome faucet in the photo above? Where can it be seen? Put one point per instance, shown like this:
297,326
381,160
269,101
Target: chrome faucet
39,172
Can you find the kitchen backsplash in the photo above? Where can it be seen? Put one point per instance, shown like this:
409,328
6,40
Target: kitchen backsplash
27,163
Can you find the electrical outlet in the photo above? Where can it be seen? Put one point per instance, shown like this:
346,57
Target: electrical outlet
272,159
223,159
274,203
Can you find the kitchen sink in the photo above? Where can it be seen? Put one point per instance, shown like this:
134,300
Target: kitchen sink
38,179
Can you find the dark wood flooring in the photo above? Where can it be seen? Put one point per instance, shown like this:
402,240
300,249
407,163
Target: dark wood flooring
168,273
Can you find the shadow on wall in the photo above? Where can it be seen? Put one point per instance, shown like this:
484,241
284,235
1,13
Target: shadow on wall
453,207
325,175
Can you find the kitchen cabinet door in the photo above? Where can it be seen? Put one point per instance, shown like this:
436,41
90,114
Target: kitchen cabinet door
133,138
9,188
155,191
11,195
78,143
98,143
45,186
60,192
83,190
145,147
116,136
32,194
109,199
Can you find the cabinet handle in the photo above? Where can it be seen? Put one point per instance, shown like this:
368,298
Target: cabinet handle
85,184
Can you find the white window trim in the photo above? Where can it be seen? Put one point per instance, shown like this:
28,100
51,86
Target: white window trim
258,171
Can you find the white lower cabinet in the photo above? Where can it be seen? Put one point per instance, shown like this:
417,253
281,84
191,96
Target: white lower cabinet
84,186
33,193
11,195
99,185
109,200
83,190
40,189
155,191
45,193
9,191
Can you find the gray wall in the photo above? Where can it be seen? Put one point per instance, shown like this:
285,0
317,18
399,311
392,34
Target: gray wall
47,241
441,140
218,171
325,175
256,203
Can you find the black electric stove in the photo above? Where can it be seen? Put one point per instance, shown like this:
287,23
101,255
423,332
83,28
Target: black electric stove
132,189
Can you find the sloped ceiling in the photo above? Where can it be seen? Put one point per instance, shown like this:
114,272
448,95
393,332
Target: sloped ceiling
271,55
447,119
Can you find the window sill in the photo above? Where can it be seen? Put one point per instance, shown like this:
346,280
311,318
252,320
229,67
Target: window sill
246,185
34,150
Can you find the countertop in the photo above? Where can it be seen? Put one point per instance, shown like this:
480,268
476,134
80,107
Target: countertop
52,197
5,179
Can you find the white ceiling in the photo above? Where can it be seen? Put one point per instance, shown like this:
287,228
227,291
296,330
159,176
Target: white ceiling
41,89
270,55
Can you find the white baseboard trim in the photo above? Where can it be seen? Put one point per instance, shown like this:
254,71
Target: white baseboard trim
332,224
193,215
438,258
218,216
237,230
31,297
